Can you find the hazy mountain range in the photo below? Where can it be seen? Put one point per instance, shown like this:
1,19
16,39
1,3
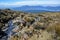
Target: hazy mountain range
37,8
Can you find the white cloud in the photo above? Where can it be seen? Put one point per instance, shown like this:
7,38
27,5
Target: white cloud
30,3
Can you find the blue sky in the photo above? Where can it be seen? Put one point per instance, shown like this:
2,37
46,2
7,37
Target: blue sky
7,3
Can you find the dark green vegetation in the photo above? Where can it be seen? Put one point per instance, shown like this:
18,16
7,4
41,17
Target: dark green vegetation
6,15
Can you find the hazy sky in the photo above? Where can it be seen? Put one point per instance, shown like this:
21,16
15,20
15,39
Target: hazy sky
29,2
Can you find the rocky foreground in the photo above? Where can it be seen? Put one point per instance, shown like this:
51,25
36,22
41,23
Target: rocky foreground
28,26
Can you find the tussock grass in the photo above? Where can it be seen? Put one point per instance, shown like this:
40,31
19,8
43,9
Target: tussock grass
55,27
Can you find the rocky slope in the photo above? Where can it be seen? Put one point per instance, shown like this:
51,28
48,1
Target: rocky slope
27,26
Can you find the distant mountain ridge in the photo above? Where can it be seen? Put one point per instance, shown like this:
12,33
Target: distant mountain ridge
38,8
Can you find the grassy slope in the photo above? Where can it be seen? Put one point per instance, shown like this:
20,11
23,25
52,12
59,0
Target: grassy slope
50,21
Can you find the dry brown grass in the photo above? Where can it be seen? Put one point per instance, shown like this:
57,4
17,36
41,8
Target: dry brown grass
29,19
55,27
